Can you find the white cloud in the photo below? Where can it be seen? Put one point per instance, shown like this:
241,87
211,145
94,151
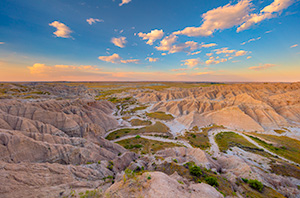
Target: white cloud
130,61
240,53
42,69
294,46
166,43
92,20
1,43
194,53
262,67
209,45
120,42
268,12
62,30
224,50
151,36
249,57
191,62
152,59
115,58
220,18
250,40
124,2
212,60
209,54
163,54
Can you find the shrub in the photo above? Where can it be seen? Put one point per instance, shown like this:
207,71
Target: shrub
212,181
137,137
175,160
245,180
196,171
110,165
257,185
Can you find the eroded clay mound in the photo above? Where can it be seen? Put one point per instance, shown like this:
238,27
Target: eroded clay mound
251,107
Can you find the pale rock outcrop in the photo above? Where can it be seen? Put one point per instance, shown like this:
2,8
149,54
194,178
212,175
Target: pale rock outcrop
160,185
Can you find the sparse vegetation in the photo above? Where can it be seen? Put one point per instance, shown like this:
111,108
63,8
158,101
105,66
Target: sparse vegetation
138,122
142,145
158,127
226,140
160,115
281,145
255,184
212,181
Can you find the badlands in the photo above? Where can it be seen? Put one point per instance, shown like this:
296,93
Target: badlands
149,139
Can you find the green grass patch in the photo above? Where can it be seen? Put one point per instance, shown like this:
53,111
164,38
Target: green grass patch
281,145
197,174
138,122
248,191
158,127
160,115
226,140
279,131
197,140
144,146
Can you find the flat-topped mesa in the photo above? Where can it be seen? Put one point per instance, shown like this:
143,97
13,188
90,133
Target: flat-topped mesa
250,107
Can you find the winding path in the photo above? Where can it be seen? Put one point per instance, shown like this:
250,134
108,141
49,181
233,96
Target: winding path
216,151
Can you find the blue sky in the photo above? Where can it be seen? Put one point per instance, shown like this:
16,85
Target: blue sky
106,40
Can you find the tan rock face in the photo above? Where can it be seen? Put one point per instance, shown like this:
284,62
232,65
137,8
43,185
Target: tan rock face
41,142
158,184
252,107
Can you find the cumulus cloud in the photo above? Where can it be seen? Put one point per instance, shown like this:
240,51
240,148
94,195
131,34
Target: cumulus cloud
92,20
262,67
130,61
208,45
115,58
120,42
152,59
151,36
191,62
240,53
42,69
194,53
268,12
249,57
62,30
229,52
224,50
167,44
212,60
294,46
220,18
250,40
124,2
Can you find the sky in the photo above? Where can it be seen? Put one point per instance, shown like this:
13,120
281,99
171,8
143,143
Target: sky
142,40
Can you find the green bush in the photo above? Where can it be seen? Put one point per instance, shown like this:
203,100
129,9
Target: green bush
257,185
245,180
196,171
212,181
